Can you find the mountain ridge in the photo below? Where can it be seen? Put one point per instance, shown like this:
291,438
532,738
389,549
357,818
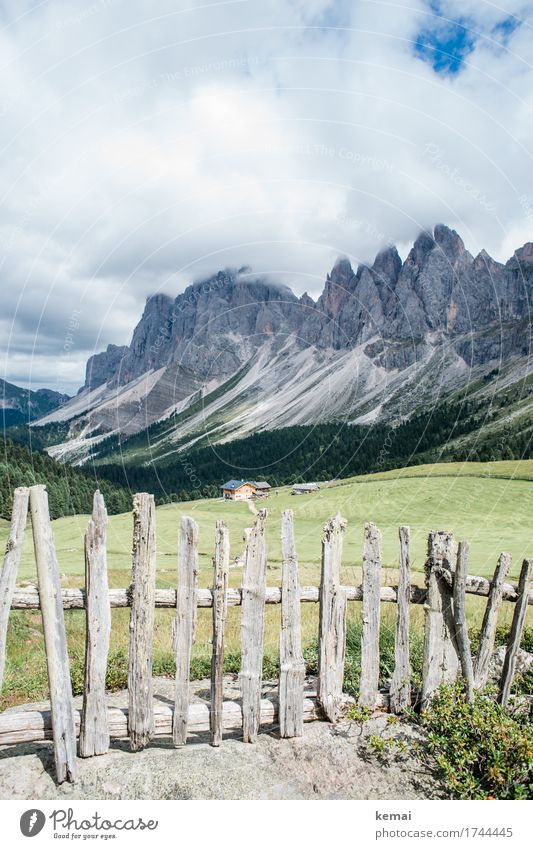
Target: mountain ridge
438,319
19,405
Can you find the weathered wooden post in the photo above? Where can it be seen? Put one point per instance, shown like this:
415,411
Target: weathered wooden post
400,688
140,691
459,612
55,638
220,607
368,687
517,626
490,621
292,666
440,655
94,730
8,577
252,628
185,626
332,629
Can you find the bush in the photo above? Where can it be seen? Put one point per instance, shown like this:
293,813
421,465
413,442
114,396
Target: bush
483,750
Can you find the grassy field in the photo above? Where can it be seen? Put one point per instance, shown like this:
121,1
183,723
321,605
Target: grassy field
488,504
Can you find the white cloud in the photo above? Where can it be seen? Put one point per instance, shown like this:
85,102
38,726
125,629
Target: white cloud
145,145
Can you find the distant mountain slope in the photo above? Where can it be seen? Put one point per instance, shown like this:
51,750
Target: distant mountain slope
234,354
19,405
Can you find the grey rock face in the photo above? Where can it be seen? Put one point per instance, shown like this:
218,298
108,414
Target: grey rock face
440,292
104,367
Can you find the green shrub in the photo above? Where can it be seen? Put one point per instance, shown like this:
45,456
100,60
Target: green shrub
483,750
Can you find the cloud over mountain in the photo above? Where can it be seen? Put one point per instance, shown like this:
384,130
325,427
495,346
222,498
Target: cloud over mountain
144,147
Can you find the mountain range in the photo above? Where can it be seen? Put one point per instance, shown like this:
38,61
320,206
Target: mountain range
237,354
23,405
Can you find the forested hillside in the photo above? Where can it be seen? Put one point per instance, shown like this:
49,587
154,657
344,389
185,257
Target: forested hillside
448,432
70,490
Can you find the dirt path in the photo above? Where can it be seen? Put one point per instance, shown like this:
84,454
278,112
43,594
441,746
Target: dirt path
326,763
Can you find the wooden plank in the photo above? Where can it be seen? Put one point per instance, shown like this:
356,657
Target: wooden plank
292,666
252,627
220,607
27,598
94,733
459,613
29,726
368,686
140,695
490,621
400,688
332,628
185,625
8,577
439,663
55,638
515,635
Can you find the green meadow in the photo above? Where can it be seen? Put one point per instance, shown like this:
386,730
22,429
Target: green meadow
488,504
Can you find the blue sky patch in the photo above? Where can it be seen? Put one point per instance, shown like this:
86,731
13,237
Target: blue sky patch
445,43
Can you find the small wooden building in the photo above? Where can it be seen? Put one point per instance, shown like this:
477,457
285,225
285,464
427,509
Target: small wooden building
235,490
304,488
262,489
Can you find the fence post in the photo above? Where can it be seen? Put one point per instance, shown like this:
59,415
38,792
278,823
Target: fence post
490,622
94,729
459,612
252,627
332,630
185,625
8,577
55,638
517,626
292,666
220,607
440,658
140,693
400,688
368,687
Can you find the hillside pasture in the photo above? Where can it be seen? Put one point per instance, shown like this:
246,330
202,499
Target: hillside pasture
490,505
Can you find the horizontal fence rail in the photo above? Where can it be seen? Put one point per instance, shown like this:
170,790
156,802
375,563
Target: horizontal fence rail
27,598
447,654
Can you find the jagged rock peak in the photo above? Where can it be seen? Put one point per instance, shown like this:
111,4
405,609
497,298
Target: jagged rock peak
102,367
306,300
388,262
525,253
448,240
341,268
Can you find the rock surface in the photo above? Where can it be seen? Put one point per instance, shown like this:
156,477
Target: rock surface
326,763
236,353
440,288
524,662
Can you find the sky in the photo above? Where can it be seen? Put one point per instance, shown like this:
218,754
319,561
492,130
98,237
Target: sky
148,144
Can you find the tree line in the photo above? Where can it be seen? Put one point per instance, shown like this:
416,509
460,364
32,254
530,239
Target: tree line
70,490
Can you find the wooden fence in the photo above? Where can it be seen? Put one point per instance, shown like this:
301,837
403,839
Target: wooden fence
447,651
